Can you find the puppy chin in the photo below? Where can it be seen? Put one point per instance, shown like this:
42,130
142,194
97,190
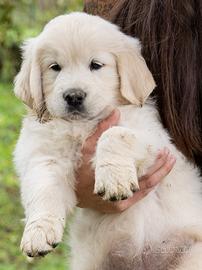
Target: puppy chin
75,116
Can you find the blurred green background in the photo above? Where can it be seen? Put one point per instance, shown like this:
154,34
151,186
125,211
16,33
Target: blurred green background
19,20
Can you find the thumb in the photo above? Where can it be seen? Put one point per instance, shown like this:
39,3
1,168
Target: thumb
111,120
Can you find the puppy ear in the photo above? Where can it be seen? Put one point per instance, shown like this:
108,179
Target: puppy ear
28,85
136,80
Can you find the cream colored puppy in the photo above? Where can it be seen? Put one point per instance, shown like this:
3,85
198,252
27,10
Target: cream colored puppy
73,74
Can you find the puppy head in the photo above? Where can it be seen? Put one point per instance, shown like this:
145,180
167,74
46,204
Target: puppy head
78,66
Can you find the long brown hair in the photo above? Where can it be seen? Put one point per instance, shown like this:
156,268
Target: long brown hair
171,36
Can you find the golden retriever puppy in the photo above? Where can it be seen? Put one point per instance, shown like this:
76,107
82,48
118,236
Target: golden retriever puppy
73,75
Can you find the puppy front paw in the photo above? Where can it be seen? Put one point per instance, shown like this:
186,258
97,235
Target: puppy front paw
115,182
41,236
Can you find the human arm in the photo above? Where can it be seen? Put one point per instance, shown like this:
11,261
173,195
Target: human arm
85,175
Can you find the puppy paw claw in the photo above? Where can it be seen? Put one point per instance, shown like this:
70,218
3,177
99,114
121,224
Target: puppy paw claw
115,183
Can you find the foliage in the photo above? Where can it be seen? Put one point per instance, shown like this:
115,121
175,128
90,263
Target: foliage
22,19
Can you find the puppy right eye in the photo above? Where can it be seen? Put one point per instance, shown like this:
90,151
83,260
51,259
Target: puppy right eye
55,67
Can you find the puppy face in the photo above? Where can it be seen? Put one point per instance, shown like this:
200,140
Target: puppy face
79,82
79,66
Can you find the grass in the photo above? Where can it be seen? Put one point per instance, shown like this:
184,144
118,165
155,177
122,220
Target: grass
11,212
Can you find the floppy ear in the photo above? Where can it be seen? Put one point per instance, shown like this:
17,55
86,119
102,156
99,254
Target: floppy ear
136,80
28,85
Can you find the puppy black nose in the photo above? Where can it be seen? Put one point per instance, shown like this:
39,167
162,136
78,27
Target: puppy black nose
74,97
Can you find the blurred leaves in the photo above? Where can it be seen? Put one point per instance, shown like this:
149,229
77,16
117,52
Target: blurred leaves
22,19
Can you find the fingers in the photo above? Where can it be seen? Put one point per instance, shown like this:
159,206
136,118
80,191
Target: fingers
123,205
110,121
163,165
159,162
162,157
120,206
90,143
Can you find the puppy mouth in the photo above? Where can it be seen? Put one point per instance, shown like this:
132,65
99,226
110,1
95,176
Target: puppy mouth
76,113
82,114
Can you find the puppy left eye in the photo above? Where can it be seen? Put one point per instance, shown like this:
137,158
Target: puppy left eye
55,67
95,65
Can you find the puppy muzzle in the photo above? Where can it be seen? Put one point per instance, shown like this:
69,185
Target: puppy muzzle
75,100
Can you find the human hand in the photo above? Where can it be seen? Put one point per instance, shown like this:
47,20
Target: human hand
85,174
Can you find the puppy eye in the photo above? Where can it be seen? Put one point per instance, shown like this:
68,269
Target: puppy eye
55,67
95,65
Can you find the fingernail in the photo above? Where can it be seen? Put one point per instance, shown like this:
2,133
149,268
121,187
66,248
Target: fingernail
115,114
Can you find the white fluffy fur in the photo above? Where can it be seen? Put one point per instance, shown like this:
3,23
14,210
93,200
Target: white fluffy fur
47,154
